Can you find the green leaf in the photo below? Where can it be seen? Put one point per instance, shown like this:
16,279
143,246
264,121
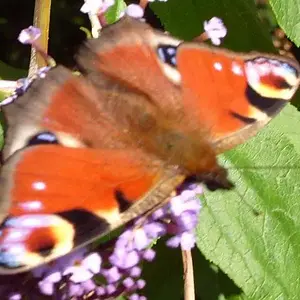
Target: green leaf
287,13
3,95
9,73
114,12
259,250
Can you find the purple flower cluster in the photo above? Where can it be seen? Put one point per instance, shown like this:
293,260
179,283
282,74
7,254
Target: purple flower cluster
114,268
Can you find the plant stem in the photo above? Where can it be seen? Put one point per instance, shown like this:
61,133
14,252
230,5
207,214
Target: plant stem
188,275
41,20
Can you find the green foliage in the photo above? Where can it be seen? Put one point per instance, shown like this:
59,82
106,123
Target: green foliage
252,232
287,13
114,12
9,73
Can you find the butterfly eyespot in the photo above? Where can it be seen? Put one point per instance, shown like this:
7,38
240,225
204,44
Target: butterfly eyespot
272,78
167,56
42,139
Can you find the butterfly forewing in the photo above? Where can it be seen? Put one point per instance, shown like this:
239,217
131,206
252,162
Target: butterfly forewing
234,95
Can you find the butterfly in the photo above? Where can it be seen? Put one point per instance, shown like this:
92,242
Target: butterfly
86,153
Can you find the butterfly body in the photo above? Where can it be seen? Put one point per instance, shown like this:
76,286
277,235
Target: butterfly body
84,154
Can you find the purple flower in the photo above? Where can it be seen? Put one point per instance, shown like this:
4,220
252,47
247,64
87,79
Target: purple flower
123,259
136,297
110,289
112,275
85,269
186,240
60,264
15,296
134,11
47,284
149,254
29,35
135,272
128,282
184,213
215,30
77,266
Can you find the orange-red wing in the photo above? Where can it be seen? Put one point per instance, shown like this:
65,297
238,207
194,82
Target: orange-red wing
65,105
125,56
232,94
64,197
225,96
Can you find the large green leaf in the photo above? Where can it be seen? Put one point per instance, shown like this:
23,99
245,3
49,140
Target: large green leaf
258,248
287,13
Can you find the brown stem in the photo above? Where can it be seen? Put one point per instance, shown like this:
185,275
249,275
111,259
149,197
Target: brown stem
41,20
188,275
201,38
143,3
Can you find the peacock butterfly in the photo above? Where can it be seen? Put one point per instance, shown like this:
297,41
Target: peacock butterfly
85,154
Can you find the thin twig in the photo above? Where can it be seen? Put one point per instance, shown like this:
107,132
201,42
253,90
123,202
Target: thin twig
143,3
188,275
41,20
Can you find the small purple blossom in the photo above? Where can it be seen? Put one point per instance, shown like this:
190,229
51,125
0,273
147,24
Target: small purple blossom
128,282
136,297
112,275
15,296
123,259
110,289
135,272
47,284
134,11
149,254
85,269
215,30
29,35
